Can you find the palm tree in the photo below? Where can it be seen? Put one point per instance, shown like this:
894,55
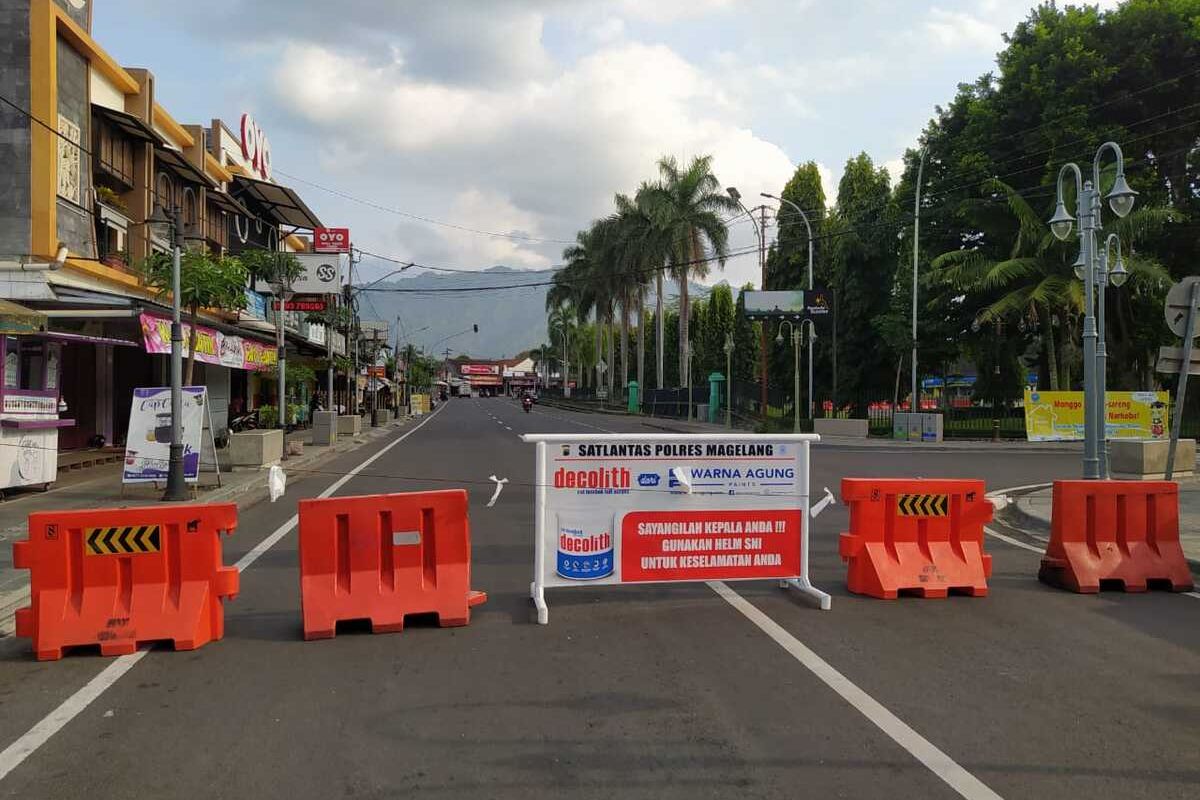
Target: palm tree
687,206
641,248
1036,281
586,272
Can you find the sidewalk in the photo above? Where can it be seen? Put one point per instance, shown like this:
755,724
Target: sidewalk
100,487
1031,512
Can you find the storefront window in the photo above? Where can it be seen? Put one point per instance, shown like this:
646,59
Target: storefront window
32,366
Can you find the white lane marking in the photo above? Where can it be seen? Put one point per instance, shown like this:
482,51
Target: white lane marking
70,708
507,428
269,542
940,764
1014,542
1193,594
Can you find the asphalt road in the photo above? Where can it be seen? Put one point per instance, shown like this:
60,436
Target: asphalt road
657,692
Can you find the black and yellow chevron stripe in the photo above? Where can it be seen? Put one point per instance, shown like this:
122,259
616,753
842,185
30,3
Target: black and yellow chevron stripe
923,505
129,540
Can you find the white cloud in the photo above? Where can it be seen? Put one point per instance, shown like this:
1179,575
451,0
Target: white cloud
962,30
661,11
543,156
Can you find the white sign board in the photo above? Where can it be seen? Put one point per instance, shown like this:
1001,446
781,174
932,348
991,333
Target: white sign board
148,443
643,508
322,273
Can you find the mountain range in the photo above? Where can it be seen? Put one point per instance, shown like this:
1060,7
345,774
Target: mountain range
436,310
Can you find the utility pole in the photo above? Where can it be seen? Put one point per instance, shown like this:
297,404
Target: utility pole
916,402
762,334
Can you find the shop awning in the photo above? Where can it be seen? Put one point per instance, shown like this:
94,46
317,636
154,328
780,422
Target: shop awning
181,166
279,203
128,124
226,203
80,338
16,319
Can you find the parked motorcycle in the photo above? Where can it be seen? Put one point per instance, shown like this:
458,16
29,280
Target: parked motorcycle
246,422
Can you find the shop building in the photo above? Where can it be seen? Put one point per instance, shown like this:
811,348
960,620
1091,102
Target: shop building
89,156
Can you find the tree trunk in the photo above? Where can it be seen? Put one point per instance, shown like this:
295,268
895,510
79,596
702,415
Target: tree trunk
624,341
641,345
191,361
684,304
598,353
611,361
1051,351
658,332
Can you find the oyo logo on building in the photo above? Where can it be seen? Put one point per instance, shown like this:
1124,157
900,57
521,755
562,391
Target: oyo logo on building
331,240
256,149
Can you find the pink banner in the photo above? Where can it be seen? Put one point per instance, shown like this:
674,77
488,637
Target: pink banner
212,346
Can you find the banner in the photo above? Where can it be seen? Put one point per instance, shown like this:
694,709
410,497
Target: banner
212,346
648,508
148,443
322,273
1058,416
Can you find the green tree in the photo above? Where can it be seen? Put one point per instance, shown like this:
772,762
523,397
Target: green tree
862,265
205,281
688,205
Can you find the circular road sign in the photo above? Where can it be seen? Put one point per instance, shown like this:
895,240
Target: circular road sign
1178,302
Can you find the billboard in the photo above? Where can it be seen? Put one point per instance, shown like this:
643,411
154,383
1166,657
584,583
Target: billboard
478,369
322,273
331,240
1058,416
786,304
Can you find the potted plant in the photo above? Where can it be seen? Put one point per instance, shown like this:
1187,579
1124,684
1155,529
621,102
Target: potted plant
111,199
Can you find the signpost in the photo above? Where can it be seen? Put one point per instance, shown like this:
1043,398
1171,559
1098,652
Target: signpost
306,303
1183,301
331,240
615,509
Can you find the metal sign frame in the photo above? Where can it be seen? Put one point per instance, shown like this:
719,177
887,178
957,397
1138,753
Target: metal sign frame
798,500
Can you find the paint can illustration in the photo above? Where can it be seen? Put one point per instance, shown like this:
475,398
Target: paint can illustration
585,546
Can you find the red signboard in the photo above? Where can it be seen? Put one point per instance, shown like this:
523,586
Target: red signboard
331,240
478,369
300,305
709,545
377,372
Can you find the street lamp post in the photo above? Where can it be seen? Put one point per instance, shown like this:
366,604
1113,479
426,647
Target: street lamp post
162,219
729,381
812,334
1088,209
1117,276
760,231
795,369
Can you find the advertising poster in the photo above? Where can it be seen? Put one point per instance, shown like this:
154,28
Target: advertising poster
1058,416
621,511
212,346
148,445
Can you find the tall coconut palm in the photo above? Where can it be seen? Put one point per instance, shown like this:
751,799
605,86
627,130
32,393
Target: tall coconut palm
1035,281
687,205
588,271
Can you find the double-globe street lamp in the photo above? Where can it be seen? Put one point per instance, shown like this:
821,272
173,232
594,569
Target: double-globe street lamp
812,336
812,333
1092,269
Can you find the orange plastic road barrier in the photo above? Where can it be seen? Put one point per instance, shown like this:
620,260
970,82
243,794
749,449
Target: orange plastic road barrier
1126,532
383,557
124,577
924,536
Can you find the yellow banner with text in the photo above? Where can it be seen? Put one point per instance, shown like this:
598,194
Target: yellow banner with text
1058,416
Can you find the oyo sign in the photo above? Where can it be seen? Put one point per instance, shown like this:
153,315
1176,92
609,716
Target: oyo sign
255,148
331,240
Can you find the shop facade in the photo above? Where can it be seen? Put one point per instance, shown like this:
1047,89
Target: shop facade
97,153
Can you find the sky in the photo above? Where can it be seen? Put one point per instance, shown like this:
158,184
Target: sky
525,117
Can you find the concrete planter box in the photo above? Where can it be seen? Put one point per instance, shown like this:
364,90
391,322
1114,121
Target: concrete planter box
1146,459
255,449
844,428
325,428
349,425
